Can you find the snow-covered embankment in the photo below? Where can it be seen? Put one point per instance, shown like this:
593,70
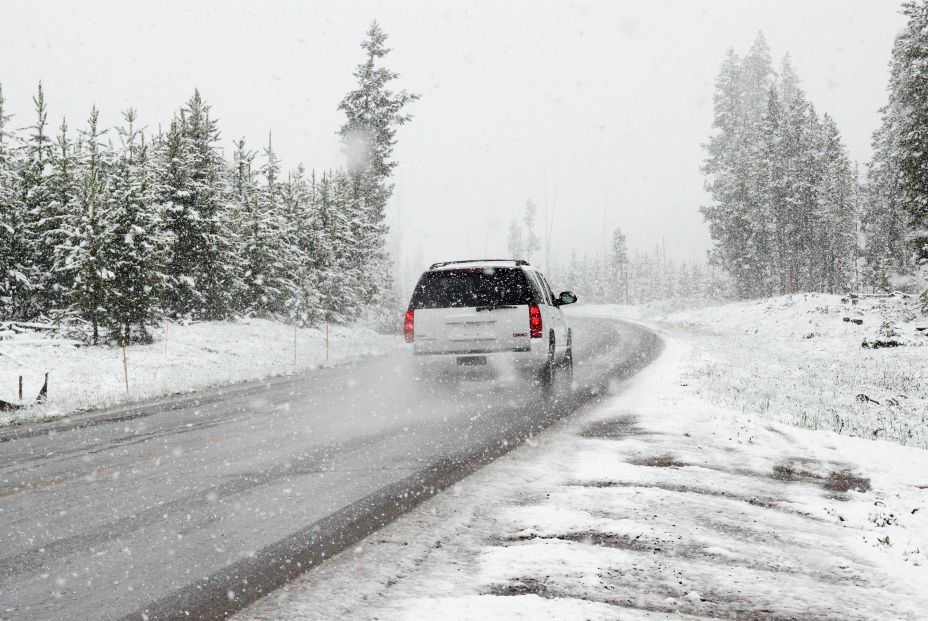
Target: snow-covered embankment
183,358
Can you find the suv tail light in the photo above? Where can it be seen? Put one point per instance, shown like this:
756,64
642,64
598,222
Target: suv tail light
409,325
534,321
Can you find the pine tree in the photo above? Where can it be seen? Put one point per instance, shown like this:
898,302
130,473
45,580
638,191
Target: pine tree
87,232
836,242
137,249
303,307
909,105
251,229
756,75
738,219
35,261
373,113
773,187
788,84
62,197
265,234
727,152
203,261
340,287
885,223
13,249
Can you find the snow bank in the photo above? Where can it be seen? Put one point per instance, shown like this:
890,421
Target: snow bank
182,359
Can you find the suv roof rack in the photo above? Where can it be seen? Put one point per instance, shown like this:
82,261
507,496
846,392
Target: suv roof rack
435,266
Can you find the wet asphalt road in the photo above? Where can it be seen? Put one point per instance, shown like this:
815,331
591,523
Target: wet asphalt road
195,507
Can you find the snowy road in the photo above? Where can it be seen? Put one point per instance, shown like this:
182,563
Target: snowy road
204,505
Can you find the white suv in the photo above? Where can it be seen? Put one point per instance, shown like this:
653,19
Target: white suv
496,312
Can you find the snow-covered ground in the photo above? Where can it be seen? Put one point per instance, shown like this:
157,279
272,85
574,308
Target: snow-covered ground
809,360
658,502
183,358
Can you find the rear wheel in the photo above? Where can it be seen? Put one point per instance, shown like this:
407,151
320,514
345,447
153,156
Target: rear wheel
549,371
568,363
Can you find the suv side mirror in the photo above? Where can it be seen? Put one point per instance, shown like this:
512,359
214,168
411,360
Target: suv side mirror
566,297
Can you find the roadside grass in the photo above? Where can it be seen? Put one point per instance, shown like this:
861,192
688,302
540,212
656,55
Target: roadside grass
797,360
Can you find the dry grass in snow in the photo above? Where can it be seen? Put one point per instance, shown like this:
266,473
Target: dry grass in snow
809,360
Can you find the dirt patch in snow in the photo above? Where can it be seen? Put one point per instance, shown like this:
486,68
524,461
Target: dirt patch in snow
707,605
840,480
659,461
844,481
614,428
765,502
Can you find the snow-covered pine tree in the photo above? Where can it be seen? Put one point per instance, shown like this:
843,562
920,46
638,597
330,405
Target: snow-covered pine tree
62,197
13,240
910,106
355,252
203,261
837,214
773,188
171,156
808,185
737,218
137,249
251,227
340,290
30,295
265,234
373,113
296,196
87,232
757,77
727,179
788,83
885,223
282,241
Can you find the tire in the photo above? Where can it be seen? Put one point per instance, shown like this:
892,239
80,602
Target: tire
568,363
549,370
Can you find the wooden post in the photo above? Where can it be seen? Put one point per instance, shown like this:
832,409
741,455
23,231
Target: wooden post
327,342
20,387
294,345
125,364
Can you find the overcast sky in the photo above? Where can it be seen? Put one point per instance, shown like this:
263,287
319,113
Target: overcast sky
605,104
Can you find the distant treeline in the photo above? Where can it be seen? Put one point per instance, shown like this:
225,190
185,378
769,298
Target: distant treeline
640,278
112,230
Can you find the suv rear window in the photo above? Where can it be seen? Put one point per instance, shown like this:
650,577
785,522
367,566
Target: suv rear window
472,287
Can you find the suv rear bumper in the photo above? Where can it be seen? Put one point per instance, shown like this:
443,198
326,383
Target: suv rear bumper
531,358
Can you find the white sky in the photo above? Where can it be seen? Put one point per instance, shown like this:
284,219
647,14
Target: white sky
608,101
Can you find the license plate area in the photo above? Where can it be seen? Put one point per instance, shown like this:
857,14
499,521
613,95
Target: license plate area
472,331
471,361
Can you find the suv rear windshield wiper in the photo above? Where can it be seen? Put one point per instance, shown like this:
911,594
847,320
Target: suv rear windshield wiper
492,308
